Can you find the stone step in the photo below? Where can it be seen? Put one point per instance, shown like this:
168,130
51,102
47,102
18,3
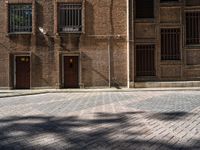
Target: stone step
167,84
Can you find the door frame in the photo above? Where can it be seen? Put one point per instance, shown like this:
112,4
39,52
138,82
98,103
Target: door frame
14,68
79,68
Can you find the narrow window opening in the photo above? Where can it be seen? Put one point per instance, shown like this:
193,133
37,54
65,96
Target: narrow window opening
170,44
144,8
145,60
193,28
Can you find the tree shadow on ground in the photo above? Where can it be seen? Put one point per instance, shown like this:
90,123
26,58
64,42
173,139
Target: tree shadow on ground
105,131
170,116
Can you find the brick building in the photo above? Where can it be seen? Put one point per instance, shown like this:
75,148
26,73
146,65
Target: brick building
87,43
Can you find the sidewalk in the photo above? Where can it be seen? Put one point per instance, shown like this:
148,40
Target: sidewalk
13,93
144,120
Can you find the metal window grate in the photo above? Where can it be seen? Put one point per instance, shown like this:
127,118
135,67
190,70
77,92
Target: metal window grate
20,18
70,18
193,28
144,9
145,60
170,44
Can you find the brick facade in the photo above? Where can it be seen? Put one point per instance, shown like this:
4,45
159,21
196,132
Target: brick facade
100,19
46,50
167,15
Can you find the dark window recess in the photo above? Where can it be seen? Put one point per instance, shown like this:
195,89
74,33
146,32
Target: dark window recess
165,1
145,60
192,28
20,18
170,44
70,18
192,2
144,8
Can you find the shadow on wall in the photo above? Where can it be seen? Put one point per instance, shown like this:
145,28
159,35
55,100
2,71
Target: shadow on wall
37,74
41,41
49,132
70,42
38,69
89,18
89,72
20,42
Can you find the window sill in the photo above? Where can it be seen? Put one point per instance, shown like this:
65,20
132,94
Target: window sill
20,33
171,4
70,32
192,46
191,66
171,62
144,20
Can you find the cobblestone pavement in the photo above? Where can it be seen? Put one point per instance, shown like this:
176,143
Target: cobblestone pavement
156,120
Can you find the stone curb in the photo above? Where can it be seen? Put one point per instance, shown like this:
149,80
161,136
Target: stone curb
97,90
22,94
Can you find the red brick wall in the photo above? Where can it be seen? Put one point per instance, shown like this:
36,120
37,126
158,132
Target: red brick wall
45,50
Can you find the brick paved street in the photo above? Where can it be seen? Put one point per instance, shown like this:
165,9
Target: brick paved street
162,120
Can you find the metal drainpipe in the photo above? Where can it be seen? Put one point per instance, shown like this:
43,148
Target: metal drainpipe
109,62
128,46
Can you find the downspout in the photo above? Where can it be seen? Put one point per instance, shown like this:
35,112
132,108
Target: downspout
132,44
109,45
128,45
109,62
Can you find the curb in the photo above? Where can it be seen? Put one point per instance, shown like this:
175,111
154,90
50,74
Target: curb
22,94
101,90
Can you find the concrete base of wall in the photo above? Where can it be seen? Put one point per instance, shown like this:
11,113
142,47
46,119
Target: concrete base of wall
45,87
166,84
5,88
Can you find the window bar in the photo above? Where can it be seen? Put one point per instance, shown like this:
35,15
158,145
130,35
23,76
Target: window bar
74,22
198,29
18,23
11,22
194,27
75,16
26,20
15,23
191,33
178,46
71,17
171,44
170,37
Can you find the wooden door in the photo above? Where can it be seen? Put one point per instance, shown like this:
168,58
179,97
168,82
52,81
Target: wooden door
22,74
71,72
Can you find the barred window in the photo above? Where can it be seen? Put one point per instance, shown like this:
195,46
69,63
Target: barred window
70,17
170,44
193,28
20,18
144,8
145,60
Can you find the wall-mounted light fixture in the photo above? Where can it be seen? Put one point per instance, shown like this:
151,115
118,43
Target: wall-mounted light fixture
42,31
